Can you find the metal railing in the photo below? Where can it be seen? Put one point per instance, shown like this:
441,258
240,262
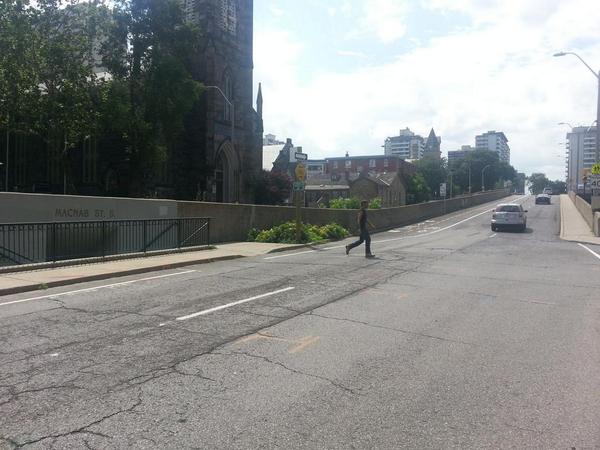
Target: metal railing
31,243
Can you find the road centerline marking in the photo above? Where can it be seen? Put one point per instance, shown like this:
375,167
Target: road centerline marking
95,288
229,305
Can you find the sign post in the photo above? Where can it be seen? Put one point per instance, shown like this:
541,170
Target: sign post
443,194
299,194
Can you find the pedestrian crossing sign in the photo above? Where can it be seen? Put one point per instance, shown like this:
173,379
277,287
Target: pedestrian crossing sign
596,169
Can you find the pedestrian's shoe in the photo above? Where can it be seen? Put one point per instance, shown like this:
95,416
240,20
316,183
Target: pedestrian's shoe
347,250
370,256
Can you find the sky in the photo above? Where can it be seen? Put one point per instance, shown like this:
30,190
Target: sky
342,75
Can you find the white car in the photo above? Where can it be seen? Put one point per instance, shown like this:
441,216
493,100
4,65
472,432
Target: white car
509,215
547,191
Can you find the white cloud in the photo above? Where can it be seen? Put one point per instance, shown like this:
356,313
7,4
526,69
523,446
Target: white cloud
500,74
384,18
352,53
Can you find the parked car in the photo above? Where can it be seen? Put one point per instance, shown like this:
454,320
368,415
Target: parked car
543,199
547,191
509,215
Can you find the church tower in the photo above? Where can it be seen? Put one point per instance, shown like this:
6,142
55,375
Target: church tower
230,126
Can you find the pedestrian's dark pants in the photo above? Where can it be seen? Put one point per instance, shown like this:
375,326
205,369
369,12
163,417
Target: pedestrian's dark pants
364,237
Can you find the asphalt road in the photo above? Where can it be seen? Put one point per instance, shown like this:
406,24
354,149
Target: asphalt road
453,337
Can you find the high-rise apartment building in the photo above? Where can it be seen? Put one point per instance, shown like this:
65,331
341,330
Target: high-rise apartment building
407,145
494,141
581,147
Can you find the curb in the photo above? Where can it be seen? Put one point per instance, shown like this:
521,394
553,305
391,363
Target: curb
104,276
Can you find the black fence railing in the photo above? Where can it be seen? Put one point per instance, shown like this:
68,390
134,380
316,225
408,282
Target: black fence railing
30,243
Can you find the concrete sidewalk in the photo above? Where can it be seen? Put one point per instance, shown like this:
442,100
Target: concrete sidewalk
12,283
573,226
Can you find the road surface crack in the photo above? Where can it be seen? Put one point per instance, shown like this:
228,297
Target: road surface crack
84,429
296,371
383,327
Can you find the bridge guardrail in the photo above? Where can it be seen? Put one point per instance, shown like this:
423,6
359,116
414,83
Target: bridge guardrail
32,243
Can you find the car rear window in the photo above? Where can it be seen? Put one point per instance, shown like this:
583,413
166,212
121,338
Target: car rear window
508,208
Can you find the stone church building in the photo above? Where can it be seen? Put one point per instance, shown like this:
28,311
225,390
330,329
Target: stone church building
232,128
220,153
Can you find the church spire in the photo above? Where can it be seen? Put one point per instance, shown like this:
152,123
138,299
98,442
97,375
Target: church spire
259,101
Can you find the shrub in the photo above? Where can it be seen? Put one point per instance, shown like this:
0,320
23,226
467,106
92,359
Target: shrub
344,203
286,233
375,203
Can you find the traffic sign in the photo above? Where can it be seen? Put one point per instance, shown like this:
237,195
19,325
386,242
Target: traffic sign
442,189
300,156
596,169
299,185
300,172
594,181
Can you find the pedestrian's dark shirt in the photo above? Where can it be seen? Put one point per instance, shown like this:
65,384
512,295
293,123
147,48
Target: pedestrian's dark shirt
362,219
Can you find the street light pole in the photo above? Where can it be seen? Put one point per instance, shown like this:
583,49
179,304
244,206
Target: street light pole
482,177
231,105
597,75
469,178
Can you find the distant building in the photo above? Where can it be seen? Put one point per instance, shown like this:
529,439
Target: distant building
315,167
271,139
285,161
432,146
373,163
365,177
389,187
494,141
454,155
581,147
407,145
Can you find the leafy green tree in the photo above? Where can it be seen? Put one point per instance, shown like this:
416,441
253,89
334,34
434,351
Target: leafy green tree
537,183
149,54
64,40
433,172
417,190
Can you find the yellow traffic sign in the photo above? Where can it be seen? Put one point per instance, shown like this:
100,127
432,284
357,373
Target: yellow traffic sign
596,169
300,172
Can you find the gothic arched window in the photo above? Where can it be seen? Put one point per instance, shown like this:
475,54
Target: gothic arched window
229,16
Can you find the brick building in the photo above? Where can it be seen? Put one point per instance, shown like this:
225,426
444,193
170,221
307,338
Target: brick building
374,163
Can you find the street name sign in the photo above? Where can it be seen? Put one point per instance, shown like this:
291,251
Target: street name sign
301,156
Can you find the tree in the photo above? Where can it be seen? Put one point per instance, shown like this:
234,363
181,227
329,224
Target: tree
272,188
433,171
417,190
64,41
496,171
149,54
537,183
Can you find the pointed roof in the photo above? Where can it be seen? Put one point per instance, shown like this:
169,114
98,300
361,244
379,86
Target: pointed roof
432,138
259,100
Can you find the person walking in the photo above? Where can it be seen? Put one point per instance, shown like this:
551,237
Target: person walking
363,224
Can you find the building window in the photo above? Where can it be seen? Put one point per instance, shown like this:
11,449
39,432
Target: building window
335,164
229,16
348,164
386,163
371,163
